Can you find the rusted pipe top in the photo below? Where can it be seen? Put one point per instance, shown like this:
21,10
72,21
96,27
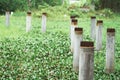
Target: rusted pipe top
44,13
99,22
72,17
93,17
29,13
87,44
78,30
111,30
74,21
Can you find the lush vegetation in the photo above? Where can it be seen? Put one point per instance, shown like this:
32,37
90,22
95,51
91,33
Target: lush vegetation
46,56
13,5
111,4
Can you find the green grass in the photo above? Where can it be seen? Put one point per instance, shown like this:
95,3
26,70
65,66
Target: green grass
47,56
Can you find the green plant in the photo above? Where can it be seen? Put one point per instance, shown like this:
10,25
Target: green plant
53,12
106,13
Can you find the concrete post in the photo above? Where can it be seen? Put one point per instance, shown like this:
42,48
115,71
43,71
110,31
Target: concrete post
99,35
44,20
110,50
7,18
93,27
86,61
77,40
71,18
74,24
28,22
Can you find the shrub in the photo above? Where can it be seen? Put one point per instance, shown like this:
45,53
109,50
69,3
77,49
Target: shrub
12,5
105,12
55,11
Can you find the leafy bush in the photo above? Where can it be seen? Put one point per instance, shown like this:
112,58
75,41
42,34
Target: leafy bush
55,11
75,13
105,13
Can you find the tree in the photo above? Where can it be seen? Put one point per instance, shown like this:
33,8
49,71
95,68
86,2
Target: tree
111,4
12,5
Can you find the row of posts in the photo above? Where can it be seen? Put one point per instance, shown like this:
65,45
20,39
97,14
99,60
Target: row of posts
83,51
29,21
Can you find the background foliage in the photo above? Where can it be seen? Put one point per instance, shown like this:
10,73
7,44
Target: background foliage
13,5
111,4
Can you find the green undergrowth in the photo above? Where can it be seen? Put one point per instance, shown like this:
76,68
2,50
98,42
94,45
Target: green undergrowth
46,56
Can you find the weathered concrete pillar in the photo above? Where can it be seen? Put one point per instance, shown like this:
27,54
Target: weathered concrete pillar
28,22
99,35
77,40
110,50
86,61
44,20
74,24
71,18
93,27
7,18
